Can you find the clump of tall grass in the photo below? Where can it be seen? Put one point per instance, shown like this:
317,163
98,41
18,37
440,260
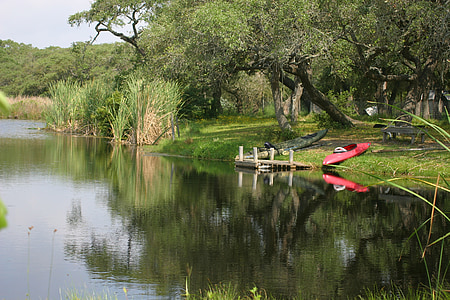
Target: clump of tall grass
62,112
139,113
74,106
152,105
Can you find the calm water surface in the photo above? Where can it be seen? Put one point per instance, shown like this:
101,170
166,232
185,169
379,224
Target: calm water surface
89,217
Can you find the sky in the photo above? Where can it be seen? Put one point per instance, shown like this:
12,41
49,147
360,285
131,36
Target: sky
43,23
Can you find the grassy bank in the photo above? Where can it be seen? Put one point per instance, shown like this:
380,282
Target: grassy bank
220,138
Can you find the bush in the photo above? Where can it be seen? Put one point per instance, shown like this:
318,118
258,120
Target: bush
324,120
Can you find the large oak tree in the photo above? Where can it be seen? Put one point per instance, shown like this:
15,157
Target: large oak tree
125,19
219,38
404,42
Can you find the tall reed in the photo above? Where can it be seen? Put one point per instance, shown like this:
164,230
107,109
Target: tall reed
119,117
65,106
93,95
152,104
139,114
74,107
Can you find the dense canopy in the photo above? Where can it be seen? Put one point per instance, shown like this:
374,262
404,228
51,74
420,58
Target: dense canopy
236,54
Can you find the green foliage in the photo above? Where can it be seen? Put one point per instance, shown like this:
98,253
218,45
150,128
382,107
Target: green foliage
25,70
4,107
343,101
323,120
3,212
4,104
276,134
118,115
216,148
141,111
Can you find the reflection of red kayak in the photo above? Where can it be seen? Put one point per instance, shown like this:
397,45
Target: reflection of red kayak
341,182
343,153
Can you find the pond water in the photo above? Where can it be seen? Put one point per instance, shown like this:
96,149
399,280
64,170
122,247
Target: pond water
85,216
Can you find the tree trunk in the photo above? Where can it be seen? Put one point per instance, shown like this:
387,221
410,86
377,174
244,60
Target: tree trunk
277,98
303,71
295,99
216,106
381,97
417,97
410,104
391,99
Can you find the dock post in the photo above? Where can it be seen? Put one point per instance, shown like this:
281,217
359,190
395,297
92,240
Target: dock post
255,154
255,180
241,153
240,179
272,153
291,156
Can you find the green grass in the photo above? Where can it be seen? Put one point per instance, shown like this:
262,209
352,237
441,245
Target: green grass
220,139
229,292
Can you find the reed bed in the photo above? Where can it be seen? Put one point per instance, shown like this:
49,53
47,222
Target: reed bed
154,103
25,107
139,113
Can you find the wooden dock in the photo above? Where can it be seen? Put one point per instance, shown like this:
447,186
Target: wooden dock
268,165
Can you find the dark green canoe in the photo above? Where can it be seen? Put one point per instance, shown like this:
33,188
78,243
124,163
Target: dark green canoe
284,147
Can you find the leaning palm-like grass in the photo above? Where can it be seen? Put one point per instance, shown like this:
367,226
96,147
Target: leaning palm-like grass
4,104
3,212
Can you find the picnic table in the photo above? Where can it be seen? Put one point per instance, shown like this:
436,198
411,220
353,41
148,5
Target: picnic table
412,131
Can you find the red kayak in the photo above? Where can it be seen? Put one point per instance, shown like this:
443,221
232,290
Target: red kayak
343,153
341,183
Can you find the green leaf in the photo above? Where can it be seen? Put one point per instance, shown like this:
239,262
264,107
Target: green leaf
4,104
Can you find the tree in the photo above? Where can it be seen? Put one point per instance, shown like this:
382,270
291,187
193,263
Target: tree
194,43
25,70
221,38
289,34
406,41
116,16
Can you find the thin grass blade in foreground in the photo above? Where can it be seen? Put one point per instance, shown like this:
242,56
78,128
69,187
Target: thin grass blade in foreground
432,216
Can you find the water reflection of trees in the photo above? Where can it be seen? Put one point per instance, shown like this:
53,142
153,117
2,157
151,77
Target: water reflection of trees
294,235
